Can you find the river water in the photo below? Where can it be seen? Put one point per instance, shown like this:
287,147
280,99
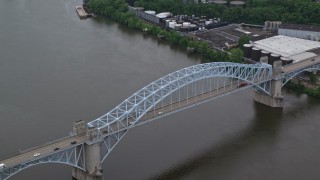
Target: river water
56,69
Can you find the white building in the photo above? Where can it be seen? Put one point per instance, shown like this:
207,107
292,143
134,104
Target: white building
310,32
285,48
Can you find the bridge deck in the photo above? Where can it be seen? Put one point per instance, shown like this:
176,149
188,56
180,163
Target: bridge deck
45,149
301,64
174,107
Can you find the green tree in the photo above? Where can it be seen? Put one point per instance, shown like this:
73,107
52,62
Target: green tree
235,55
243,40
313,78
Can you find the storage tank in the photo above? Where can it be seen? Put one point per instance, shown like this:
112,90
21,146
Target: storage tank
163,15
247,50
264,59
177,26
266,25
276,25
179,22
237,3
265,53
285,61
184,28
186,24
150,12
195,22
222,2
208,22
167,22
200,24
256,54
172,24
271,27
273,57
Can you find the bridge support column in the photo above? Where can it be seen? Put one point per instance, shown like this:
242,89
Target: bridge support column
274,100
92,160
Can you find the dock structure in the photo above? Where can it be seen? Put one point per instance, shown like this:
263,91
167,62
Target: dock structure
81,12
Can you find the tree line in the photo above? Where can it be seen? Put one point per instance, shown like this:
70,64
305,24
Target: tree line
300,88
255,11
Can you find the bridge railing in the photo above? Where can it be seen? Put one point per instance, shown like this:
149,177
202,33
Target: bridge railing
35,148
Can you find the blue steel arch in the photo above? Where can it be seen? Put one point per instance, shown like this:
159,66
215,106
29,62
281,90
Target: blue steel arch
73,156
113,125
252,73
287,77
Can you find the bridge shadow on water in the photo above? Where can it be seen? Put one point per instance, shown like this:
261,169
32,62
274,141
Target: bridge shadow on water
264,127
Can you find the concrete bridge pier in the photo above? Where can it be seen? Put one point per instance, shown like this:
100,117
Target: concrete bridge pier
274,100
92,159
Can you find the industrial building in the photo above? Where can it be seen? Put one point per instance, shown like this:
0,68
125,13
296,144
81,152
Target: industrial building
310,32
227,36
149,15
287,49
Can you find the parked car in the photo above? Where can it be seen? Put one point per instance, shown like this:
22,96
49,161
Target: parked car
73,142
36,155
243,84
55,149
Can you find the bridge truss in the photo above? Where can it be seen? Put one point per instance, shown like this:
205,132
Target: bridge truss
74,156
175,92
288,76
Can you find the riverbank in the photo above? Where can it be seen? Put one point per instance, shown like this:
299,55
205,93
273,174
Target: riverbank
118,11
300,87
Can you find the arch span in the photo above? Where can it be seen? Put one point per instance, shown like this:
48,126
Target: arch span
73,156
176,88
148,96
287,77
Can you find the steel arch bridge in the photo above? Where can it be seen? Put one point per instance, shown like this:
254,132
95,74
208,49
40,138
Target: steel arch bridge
174,92
178,91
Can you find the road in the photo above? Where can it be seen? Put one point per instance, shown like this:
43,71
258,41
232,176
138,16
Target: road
301,64
48,148
163,111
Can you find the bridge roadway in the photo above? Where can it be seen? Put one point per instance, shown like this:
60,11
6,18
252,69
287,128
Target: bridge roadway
301,64
64,143
183,104
46,149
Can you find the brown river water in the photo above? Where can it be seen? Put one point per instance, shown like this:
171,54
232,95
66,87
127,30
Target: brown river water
56,69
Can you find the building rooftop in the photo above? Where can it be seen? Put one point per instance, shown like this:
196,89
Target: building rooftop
316,51
303,27
286,46
237,2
